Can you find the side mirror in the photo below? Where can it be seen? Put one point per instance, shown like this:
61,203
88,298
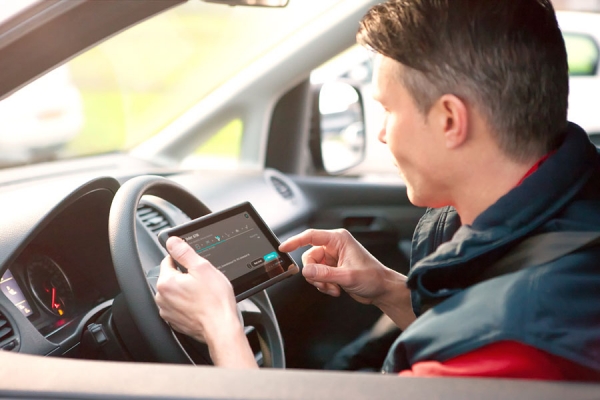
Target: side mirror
337,127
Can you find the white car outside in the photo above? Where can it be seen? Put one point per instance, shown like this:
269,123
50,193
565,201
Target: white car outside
584,90
47,114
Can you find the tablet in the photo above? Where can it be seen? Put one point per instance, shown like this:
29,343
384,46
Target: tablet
238,243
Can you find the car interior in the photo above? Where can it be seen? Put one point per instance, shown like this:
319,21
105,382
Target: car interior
79,245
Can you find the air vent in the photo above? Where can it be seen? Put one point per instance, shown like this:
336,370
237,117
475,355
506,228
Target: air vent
8,339
282,188
152,218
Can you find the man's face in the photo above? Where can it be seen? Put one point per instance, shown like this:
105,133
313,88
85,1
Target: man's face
411,136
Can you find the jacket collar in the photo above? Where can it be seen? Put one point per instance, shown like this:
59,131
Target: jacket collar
515,215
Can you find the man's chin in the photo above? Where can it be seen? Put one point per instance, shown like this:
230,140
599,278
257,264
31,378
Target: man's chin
417,199
421,201
410,193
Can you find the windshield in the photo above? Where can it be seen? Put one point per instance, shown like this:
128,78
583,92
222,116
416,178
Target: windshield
130,87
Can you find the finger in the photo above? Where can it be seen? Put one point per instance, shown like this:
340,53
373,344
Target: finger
328,288
176,327
314,255
332,290
324,273
167,267
163,306
315,237
164,300
168,273
184,254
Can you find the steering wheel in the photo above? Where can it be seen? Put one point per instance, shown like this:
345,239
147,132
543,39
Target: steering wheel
137,288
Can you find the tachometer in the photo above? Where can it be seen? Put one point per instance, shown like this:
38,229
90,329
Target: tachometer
49,285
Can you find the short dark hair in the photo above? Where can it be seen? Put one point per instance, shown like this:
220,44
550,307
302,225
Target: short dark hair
507,58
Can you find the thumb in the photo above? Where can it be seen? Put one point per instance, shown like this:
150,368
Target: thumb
182,252
322,273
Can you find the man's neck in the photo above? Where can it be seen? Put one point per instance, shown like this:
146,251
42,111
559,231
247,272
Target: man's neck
479,191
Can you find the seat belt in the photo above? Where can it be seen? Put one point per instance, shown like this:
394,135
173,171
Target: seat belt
533,251
540,249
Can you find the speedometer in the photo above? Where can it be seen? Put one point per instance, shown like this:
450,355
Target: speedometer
49,285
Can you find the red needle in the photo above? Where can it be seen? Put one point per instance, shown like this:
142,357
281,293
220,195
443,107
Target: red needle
54,305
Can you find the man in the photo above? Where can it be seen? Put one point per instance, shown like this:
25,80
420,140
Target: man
475,94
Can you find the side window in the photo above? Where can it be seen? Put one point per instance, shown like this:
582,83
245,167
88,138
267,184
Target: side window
583,54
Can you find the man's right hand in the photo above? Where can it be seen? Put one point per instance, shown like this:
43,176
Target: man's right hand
337,261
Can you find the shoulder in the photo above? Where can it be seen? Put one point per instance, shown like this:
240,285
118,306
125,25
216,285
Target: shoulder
564,296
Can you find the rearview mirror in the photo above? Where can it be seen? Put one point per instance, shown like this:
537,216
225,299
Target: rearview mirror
255,3
338,133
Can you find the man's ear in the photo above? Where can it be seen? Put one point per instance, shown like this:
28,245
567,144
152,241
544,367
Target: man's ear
452,117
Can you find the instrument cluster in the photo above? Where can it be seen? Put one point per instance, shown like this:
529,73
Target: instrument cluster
38,286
